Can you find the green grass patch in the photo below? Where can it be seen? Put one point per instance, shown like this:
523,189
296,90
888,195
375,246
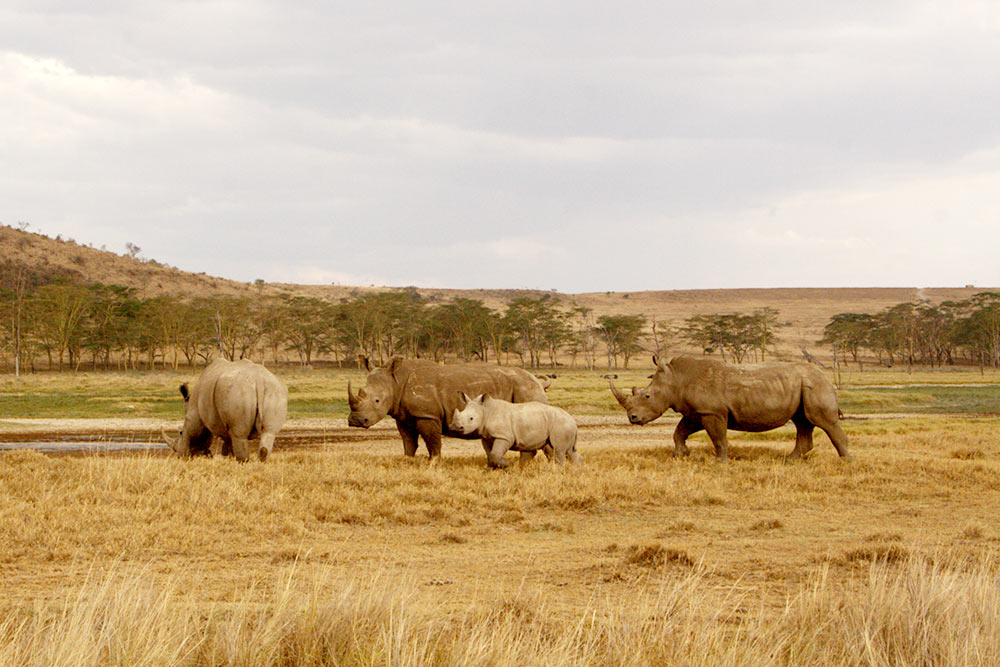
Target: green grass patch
922,400
323,393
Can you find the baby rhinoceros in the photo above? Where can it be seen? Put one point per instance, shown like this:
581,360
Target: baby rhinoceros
520,427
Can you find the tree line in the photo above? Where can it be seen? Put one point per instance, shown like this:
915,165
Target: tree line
65,324
921,333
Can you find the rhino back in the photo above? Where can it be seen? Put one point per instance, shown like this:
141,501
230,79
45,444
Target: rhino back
756,397
437,392
528,425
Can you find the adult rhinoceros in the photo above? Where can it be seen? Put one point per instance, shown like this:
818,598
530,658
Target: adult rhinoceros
422,396
714,396
237,402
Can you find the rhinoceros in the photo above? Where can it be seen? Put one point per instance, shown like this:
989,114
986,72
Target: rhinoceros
521,427
715,396
237,402
422,396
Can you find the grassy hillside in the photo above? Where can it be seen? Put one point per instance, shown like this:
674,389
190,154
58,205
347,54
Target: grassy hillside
805,311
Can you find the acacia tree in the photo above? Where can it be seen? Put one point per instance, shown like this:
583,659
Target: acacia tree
13,295
466,327
850,332
621,335
236,321
60,309
527,320
739,334
584,337
306,326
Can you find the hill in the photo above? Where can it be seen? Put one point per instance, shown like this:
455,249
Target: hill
804,311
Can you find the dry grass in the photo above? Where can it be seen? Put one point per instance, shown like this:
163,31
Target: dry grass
352,555
915,612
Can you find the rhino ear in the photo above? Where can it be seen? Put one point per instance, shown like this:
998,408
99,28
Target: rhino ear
184,392
365,362
479,399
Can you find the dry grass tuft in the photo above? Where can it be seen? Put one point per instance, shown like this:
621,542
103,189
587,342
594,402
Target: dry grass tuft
879,553
967,454
655,555
973,531
768,524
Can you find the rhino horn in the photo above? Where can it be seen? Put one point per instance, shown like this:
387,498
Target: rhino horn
635,390
659,363
166,439
544,380
620,397
351,398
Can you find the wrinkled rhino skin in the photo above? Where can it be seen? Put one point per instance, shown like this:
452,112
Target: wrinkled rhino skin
237,402
521,427
714,396
423,395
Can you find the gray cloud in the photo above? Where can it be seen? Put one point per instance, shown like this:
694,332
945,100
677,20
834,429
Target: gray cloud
581,146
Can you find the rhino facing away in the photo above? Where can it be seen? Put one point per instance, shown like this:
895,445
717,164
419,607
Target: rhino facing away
423,395
238,402
521,427
714,396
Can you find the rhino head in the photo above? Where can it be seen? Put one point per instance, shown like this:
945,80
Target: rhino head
373,401
645,405
194,438
470,418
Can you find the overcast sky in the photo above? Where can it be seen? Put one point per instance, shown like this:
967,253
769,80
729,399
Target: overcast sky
570,145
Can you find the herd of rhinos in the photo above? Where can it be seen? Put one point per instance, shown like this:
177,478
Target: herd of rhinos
244,405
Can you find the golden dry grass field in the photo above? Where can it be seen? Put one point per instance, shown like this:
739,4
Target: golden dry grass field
339,550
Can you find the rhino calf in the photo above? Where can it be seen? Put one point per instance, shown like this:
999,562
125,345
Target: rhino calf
521,427
238,402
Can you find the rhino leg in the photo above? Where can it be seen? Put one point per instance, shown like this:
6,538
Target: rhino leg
266,445
430,431
549,452
803,438
224,448
526,456
819,405
822,411
839,439
716,427
409,435
500,448
685,427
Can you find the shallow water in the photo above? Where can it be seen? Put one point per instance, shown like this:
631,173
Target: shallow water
84,447
145,441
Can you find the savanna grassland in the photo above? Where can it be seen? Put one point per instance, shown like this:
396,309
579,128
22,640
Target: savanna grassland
339,550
